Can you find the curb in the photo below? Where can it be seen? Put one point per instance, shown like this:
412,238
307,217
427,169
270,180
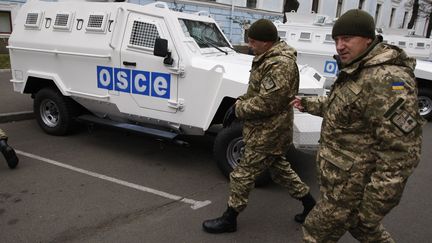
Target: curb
4,70
16,116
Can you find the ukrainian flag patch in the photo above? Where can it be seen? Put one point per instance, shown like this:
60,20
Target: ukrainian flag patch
398,85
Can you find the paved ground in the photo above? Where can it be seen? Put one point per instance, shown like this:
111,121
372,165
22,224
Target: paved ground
103,185
14,106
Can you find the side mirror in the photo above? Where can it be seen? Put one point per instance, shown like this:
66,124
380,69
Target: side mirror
161,47
161,50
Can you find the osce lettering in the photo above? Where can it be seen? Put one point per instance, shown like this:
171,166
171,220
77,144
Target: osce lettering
330,67
134,81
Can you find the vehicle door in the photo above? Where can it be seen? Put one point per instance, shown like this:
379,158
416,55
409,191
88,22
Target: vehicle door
153,84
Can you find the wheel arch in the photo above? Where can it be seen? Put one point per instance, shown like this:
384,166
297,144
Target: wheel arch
424,83
37,81
225,104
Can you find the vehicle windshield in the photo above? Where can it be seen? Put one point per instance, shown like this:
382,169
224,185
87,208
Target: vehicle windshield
205,34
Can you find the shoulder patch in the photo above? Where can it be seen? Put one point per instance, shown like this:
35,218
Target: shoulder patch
268,83
404,121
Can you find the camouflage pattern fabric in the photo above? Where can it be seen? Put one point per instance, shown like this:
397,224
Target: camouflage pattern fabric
2,134
242,179
370,144
268,124
273,82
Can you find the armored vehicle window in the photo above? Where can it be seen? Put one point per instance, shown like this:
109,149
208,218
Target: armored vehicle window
96,22
144,34
329,38
205,34
420,45
63,21
32,19
305,36
282,34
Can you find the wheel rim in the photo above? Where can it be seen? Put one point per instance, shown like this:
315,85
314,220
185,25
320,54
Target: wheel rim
49,113
235,152
425,105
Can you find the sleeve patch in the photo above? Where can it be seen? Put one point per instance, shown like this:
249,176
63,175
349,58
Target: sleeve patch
397,86
269,84
404,121
393,108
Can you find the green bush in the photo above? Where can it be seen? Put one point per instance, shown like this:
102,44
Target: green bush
4,61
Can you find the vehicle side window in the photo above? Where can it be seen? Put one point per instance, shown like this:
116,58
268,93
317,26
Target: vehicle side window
143,35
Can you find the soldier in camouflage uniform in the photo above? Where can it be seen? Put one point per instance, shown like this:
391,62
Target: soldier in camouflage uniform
267,125
371,134
7,151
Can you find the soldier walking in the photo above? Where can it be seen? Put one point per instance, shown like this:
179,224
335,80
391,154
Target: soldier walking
7,151
371,134
267,126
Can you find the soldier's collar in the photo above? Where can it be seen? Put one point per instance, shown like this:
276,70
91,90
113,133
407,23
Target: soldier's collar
260,57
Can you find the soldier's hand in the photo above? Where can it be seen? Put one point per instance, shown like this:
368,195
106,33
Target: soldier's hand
296,103
230,116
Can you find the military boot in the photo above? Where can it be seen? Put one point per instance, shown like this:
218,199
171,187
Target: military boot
224,224
9,154
308,203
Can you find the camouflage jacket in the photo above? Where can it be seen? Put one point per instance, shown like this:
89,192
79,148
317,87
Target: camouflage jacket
273,82
371,121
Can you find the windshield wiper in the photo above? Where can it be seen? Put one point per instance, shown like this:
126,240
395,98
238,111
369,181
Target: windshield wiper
208,43
216,43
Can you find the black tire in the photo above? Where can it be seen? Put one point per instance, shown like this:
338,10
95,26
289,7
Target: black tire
228,149
425,103
54,112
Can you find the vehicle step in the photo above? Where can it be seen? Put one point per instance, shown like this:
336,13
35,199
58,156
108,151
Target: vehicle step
127,126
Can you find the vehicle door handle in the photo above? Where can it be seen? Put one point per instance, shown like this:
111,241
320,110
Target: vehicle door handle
129,63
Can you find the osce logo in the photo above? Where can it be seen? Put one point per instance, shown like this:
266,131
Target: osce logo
134,81
330,67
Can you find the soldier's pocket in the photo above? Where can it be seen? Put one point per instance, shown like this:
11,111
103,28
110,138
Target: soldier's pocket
343,108
335,168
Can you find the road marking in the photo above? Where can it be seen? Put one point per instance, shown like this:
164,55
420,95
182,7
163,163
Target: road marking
194,204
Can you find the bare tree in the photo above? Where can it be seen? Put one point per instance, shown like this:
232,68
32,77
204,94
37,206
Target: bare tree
415,10
425,11
429,27
421,9
289,6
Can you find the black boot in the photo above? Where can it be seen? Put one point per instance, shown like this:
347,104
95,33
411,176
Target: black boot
308,203
9,154
226,223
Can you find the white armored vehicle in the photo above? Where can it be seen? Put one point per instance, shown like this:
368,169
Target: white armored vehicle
311,35
144,68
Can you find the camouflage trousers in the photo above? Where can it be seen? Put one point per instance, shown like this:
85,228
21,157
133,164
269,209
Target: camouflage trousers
2,134
253,163
338,209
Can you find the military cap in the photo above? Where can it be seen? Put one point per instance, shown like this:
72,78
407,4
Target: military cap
354,22
263,30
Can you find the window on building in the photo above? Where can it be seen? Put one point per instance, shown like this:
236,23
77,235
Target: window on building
392,14
5,22
377,12
405,18
339,8
361,2
251,3
315,4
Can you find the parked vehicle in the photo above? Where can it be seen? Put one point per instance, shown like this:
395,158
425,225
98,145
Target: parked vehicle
144,68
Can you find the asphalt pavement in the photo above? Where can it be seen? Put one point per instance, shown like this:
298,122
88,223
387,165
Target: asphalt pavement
104,185
13,106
